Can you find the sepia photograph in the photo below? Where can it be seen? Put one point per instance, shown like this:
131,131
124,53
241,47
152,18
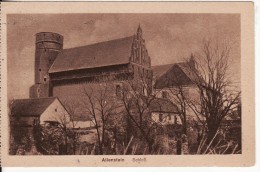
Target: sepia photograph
128,88
124,84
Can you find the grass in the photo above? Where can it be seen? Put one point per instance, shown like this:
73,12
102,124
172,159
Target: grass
218,146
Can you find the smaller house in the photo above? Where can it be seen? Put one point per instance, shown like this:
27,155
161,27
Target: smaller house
173,79
43,111
164,112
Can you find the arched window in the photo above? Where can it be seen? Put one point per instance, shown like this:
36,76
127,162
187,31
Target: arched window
35,122
160,117
38,90
118,91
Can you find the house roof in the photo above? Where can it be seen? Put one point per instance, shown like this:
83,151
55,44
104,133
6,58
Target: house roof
174,74
31,107
113,52
189,72
161,69
163,105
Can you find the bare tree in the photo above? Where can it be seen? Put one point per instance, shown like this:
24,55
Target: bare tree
136,98
179,97
71,107
218,97
100,104
176,87
53,136
64,122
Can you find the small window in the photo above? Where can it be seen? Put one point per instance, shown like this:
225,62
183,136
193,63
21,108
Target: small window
175,119
169,117
45,79
40,69
118,90
38,90
56,110
160,117
35,122
165,94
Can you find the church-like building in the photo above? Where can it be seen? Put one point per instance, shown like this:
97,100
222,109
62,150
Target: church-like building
63,72
60,72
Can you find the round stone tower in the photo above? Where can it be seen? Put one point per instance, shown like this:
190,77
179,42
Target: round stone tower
48,46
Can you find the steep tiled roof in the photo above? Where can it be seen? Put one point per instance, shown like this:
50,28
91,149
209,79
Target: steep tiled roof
31,107
189,72
163,105
160,70
107,53
174,74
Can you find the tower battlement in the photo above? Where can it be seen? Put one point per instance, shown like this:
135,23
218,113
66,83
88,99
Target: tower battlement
49,40
47,47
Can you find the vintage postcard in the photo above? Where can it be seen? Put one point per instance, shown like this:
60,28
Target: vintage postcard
127,84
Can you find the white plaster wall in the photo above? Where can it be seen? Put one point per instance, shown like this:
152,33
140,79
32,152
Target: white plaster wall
55,112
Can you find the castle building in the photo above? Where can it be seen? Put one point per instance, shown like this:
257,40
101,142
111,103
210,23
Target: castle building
62,76
62,72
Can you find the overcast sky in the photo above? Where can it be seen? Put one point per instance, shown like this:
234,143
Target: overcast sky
169,37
